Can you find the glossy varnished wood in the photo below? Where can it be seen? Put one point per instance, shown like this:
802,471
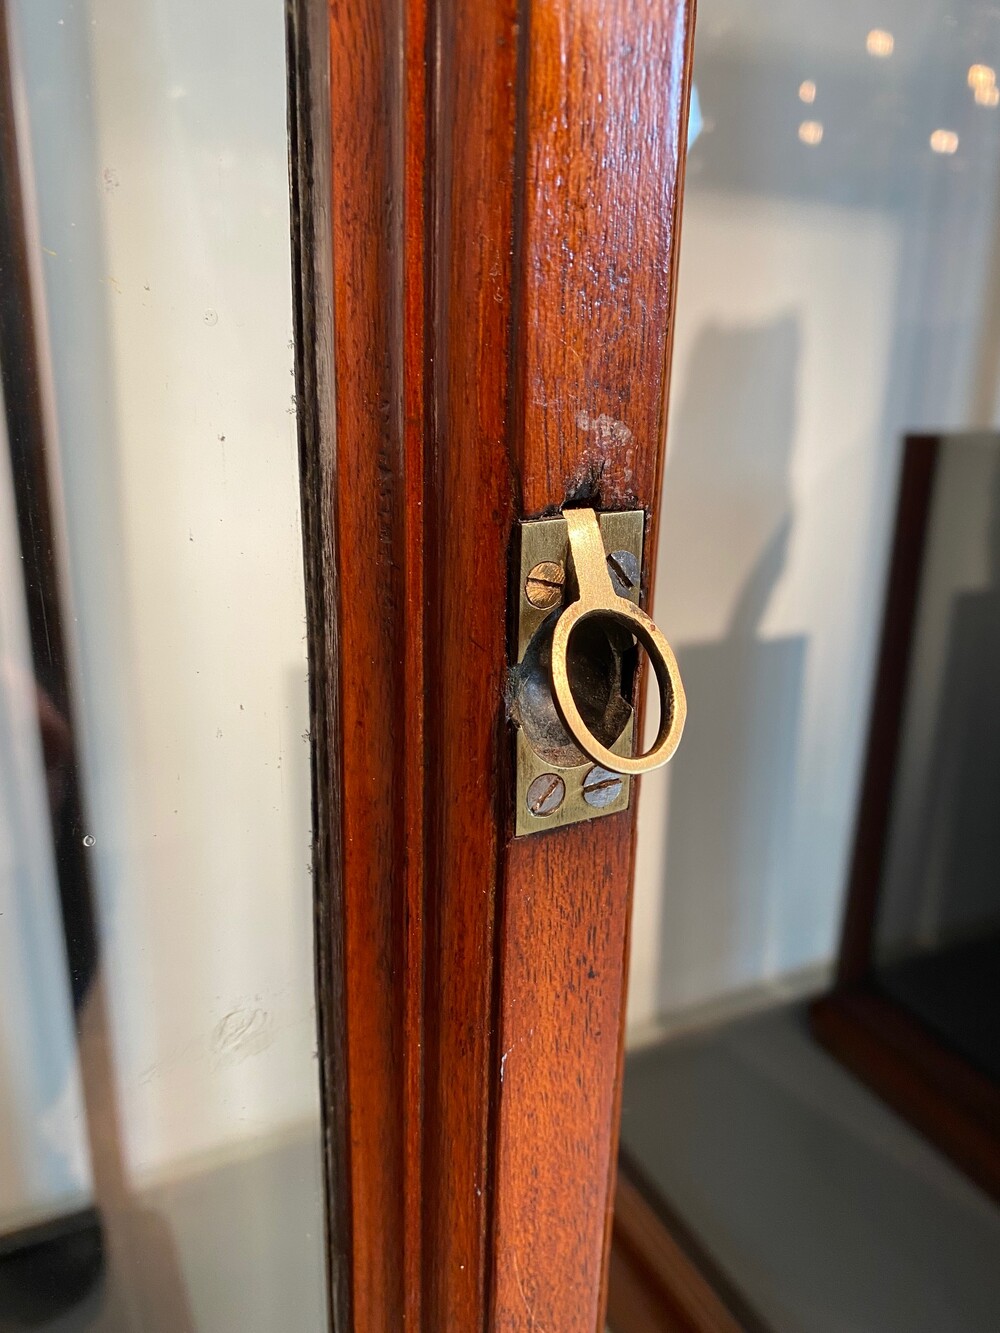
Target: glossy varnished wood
501,186
603,122
377,95
471,508
355,93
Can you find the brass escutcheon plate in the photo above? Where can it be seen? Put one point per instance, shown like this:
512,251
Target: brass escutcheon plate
546,542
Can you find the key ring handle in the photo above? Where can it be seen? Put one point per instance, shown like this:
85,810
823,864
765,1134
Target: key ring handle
597,599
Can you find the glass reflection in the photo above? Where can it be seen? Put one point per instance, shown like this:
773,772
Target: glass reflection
838,291
160,1159
938,933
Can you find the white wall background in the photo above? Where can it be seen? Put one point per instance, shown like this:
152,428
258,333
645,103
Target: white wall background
832,297
158,139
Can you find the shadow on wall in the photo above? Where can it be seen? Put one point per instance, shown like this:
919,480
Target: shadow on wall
732,786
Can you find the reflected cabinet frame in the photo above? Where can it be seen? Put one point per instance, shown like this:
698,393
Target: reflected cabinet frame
486,202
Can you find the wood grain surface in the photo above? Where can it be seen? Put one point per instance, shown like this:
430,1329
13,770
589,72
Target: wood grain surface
485,337
357,86
471,507
604,122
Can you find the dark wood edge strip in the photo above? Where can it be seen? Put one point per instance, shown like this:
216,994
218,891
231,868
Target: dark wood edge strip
312,255
888,705
469,512
679,1270
940,1093
416,371
685,75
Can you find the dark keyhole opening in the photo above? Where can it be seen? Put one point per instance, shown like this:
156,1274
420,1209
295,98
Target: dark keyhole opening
601,663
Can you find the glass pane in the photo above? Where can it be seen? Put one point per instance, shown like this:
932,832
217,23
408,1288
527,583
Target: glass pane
838,292
164,1171
937,940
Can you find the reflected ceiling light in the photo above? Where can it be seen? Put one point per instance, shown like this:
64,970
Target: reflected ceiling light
983,82
981,76
879,43
807,91
944,141
811,132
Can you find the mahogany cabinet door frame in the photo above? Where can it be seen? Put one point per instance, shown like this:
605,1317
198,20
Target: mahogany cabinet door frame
486,200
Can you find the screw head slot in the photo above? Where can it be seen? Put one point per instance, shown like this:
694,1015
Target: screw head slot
545,795
624,570
545,584
601,787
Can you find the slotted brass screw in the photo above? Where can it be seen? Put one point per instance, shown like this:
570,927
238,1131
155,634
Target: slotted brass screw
624,570
601,787
544,585
545,795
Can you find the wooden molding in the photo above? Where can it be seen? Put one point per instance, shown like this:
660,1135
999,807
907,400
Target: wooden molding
657,1285
486,214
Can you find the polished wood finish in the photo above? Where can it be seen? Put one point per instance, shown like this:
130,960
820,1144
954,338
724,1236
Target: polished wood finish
601,188
487,248
471,507
312,255
356,115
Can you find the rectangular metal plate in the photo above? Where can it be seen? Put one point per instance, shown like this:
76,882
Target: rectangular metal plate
546,540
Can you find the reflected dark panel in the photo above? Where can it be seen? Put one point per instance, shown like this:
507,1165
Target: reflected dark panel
46,1269
818,1206
937,938
22,396
788,1089
954,991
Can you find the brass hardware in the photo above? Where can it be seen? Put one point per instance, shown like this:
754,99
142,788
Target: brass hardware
547,588
545,795
600,787
544,585
597,598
